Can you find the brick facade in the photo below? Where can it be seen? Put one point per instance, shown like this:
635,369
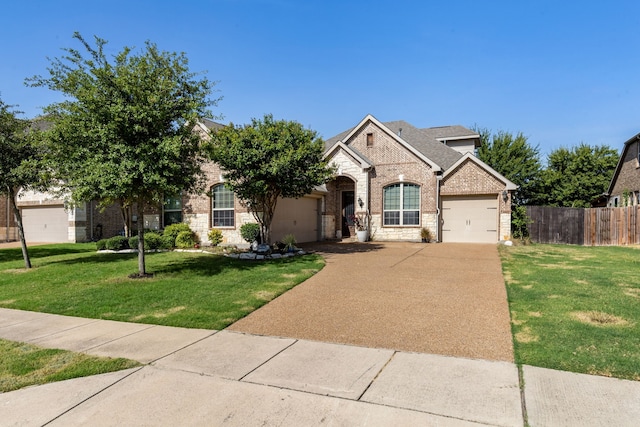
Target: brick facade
394,163
626,180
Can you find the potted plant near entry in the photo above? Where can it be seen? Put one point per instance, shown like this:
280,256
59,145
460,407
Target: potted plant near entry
425,235
360,224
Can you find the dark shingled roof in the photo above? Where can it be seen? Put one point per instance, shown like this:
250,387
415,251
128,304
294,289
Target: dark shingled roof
423,140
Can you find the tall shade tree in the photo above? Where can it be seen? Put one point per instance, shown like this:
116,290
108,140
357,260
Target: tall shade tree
269,159
125,132
576,176
20,168
514,158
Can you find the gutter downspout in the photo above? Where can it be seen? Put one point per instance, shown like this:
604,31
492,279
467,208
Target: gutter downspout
438,180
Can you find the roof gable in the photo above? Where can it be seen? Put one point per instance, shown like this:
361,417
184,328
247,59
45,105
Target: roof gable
345,136
470,157
623,155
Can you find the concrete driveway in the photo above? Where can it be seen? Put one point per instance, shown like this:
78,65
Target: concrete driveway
447,299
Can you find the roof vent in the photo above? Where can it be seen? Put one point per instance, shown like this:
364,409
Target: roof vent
400,132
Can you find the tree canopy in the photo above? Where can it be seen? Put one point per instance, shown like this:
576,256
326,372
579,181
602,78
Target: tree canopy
575,176
125,132
20,163
514,158
269,159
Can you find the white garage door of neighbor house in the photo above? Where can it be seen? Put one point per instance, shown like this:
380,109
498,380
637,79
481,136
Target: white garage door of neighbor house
470,219
48,224
298,217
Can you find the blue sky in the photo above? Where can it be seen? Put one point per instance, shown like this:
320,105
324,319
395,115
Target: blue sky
562,73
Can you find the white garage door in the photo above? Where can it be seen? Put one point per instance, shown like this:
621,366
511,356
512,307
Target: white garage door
298,217
48,224
470,219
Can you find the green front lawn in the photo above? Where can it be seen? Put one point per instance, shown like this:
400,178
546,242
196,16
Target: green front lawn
575,308
22,365
192,290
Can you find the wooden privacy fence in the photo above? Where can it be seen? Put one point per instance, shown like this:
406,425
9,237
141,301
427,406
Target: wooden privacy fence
589,227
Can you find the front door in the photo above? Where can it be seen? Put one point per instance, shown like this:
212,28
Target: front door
347,212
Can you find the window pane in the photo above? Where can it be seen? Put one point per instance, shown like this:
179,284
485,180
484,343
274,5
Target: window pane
173,203
410,217
173,217
222,197
392,197
392,218
223,218
411,197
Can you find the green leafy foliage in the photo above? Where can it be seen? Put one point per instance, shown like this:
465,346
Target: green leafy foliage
171,232
21,162
101,244
126,131
576,176
515,159
269,159
186,240
215,236
117,243
250,232
152,240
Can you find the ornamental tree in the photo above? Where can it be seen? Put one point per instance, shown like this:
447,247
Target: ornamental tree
266,160
125,132
20,164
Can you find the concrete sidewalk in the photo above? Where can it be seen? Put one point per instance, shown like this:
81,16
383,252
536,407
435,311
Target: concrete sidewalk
202,377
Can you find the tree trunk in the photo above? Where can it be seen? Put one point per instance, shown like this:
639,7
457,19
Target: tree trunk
23,243
141,263
125,211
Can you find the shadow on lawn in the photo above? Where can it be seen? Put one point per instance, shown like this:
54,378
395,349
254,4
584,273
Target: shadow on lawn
197,264
44,251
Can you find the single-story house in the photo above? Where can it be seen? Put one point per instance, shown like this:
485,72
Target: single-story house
394,176
624,189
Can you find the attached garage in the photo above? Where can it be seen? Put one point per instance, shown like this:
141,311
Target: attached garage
298,217
470,219
47,224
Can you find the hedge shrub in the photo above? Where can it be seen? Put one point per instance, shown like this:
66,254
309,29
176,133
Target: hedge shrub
250,232
172,231
101,244
152,240
215,236
186,240
117,243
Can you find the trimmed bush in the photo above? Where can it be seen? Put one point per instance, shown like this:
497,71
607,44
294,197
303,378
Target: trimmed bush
173,230
101,245
250,232
152,240
186,240
167,242
215,236
133,243
117,243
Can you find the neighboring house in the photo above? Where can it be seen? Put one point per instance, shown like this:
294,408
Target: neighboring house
8,230
398,176
624,189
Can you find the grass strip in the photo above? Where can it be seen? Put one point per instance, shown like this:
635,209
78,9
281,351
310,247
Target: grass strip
23,365
575,308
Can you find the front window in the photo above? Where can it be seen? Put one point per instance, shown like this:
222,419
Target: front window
402,204
172,212
222,206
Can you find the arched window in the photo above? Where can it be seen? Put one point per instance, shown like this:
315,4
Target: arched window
402,204
222,209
